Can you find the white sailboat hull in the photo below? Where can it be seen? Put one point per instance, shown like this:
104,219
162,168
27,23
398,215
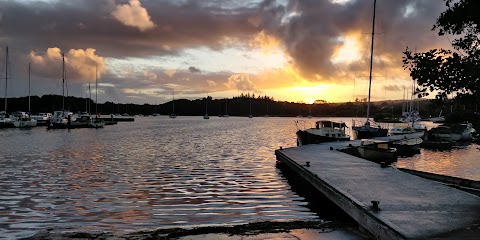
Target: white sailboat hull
25,124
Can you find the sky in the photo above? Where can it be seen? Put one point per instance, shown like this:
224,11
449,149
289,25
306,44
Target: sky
147,51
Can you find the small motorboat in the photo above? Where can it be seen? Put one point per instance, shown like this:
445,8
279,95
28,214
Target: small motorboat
438,138
377,151
401,128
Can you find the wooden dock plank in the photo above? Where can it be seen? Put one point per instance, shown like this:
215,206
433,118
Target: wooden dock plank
410,206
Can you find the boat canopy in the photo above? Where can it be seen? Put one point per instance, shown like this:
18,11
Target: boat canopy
331,124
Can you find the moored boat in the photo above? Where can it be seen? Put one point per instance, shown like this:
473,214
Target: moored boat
324,131
23,120
42,118
62,120
438,138
377,151
5,120
462,131
401,128
369,130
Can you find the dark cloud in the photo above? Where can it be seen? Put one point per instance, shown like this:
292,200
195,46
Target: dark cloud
194,69
90,24
393,88
310,30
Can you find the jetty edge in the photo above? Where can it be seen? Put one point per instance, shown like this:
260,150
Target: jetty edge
385,201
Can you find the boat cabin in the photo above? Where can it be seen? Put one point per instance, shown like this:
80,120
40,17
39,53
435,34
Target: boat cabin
381,144
330,124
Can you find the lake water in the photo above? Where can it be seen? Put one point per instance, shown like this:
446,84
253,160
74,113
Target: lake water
161,172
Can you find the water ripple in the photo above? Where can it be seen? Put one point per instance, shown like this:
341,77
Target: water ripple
152,173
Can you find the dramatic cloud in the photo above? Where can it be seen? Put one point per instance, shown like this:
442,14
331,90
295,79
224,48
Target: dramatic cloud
133,15
142,45
80,65
241,82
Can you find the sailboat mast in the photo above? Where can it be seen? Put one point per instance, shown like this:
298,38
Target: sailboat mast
89,98
206,105
371,60
250,106
173,102
63,81
96,90
6,76
29,69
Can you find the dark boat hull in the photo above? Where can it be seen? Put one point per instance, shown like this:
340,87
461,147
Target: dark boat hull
369,132
304,138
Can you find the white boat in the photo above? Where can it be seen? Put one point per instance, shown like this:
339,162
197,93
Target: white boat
62,118
23,120
410,116
324,131
42,118
5,120
377,151
462,131
401,128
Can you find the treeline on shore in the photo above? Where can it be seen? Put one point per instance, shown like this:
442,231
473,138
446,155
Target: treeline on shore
236,106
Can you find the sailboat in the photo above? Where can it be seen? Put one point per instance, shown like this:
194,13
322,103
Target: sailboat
173,115
226,102
96,122
62,118
250,116
370,129
206,109
5,121
155,114
22,119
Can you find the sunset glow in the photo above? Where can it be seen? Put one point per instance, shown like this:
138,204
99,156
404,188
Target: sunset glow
289,50
348,52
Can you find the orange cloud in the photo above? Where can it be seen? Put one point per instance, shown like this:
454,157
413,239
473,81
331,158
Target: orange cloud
79,64
133,15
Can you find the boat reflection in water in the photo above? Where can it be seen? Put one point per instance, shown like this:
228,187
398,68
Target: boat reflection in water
407,147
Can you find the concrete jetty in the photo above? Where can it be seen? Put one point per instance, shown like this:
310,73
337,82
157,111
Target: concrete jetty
387,202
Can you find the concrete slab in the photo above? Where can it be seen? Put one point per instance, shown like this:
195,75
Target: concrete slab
410,206
296,234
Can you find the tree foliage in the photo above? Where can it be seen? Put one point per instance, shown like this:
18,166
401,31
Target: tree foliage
448,71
